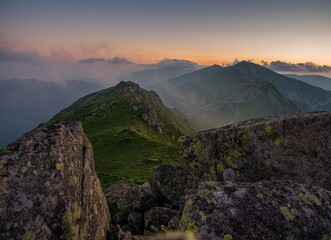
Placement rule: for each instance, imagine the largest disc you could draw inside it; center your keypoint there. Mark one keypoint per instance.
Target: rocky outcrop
(49, 188)
(263, 210)
(295, 147)
(145, 103)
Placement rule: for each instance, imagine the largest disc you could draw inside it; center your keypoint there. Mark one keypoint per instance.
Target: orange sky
(146, 31)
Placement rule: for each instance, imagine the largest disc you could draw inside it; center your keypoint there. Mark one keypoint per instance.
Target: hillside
(315, 80)
(216, 96)
(131, 130)
(25, 103)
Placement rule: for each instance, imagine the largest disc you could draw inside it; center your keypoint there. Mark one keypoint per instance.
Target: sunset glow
(206, 32)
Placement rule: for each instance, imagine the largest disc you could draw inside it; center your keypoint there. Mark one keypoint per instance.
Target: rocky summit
(49, 188)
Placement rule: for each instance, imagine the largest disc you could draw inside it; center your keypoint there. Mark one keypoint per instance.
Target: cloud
(118, 60)
(176, 63)
(236, 61)
(8, 55)
(115, 60)
(92, 60)
(296, 67)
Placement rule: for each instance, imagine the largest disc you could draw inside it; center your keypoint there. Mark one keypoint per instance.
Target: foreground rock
(49, 188)
(277, 162)
(296, 147)
(263, 210)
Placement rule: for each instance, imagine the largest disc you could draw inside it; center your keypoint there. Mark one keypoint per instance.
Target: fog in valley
(34, 88)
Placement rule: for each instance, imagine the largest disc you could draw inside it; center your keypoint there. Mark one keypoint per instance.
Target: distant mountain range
(315, 80)
(25, 103)
(216, 96)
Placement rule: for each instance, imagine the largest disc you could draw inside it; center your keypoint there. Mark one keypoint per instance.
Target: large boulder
(262, 210)
(295, 147)
(49, 188)
(172, 182)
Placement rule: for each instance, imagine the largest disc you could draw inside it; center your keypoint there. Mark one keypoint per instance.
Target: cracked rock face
(49, 188)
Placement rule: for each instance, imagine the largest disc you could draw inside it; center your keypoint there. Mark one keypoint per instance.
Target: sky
(147, 31)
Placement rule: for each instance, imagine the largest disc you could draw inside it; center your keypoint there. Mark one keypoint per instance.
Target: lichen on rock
(219, 210)
(49, 188)
(292, 147)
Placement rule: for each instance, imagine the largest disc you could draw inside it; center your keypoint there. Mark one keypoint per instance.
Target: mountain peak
(245, 63)
(211, 69)
(215, 66)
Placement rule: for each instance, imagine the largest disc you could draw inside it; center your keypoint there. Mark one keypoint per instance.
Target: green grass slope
(131, 131)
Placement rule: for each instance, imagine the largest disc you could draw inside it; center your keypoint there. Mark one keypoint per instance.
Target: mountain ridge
(128, 117)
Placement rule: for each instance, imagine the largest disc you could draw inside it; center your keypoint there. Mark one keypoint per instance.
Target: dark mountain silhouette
(315, 80)
(216, 96)
(306, 96)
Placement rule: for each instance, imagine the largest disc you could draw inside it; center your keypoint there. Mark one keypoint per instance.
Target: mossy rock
(261, 210)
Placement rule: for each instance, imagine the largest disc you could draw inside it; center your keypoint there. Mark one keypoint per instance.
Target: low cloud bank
(115, 60)
(178, 63)
(307, 67)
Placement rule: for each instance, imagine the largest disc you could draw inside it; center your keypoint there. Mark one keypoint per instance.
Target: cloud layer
(115, 60)
(296, 67)
(176, 63)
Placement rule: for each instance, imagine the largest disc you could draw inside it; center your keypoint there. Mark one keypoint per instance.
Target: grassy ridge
(126, 146)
